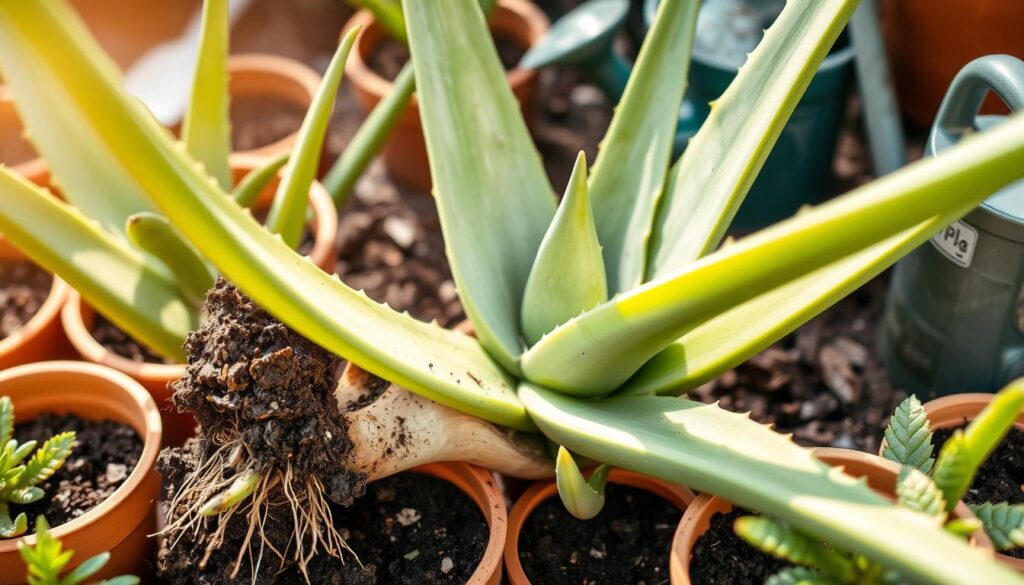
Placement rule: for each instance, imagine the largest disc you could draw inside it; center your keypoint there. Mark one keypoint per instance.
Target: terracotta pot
(42, 338)
(677, 495)
(120, 524)
(479, 485)
(16, 153)
(881, 476)
(405, 154)
(928, 43)
(78, 317)
(956, 410)
(276, 78)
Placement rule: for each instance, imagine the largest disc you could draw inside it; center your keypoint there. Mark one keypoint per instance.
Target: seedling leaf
(582, 498)
(1004, 523)
(908, 438)
(252, 185)
(781, 541)
(916, 491)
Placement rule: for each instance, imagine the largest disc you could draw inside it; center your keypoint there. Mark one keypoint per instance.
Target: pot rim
(48, 312)
(679, 496)
(34, 169)
(142, 402)
(532, 19)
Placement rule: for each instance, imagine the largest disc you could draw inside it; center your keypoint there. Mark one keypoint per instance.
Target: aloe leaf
(722, 160)
(711, 450)
(288, 212)
(799, 576)
(567, 277)
(115, 279)
(370, 138)
(964, 452)
(908, 437)
(249, 189)
(442, 365)
(206, 129)
(598, 351)
(781, 541)
(153, 234)
(583, 498)
(88, 178)
(493, 197)
(630, 170)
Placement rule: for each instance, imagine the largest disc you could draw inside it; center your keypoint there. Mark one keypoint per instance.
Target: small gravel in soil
(23, 290)
(721, 557)
(104, 456)
(117, 341)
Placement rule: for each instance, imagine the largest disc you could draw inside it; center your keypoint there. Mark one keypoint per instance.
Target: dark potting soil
(23, 290)
(824, 383)
(117, 341)
(415, 529)
(391, 246)
(628, 542)
(721, 557)
(389, 56)
(1000, 478)
(258, 121)
(104, 456)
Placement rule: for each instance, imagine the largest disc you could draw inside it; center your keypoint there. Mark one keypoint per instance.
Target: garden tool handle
(1001, 74)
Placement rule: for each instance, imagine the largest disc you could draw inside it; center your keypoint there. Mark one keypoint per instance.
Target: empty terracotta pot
(479, 485)
(405, 154)
(42, 337)
(881, 476)
(78, 317)
(121, 524)
(677, 495)
(957, 410)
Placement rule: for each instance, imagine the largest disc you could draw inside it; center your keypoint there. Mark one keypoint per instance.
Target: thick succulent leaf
(249, 189)
(964, 452)
(916, 491)
(721, 162)
(19, 453)
(153, 234)
(122, 580)
(370, 138)
(493, 196)
(87, 569)
(11, 528)
(288, 211)
(89, 178)
(630, 170)
(799, 576)
(598, 351)
(583, 498)
(567, 277)
(1004, 523)
(711, 450)
(24, 496)
(115, 279)
(908, 438)
(206, 129)
(782, 541)
(445, 366)
(6, 420)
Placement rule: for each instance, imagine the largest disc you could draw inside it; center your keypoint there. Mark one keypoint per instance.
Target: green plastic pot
(954, 319)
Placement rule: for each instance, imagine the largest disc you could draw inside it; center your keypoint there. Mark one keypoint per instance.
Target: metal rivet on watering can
(953, 316)
(799, 168)
(583, 38)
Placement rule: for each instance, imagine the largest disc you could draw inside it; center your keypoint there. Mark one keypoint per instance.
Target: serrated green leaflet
(908, 438)
(712, 450)
(206, 129)
(1003, 523)
(781, 541)
(630, 168)
(723, 159)
(916, 491)
(493, 197)
(598, 351)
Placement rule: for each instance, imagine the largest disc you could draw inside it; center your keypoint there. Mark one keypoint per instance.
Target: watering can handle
(1001, 74)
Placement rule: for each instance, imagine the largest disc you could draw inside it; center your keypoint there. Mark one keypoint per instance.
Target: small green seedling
(47, 559)
(20, 475)
(927, 485)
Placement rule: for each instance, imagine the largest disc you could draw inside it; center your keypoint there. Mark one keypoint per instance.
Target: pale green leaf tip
(243, 487)
(582, 498)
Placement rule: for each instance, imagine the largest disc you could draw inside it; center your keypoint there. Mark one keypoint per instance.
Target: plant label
(957, 242)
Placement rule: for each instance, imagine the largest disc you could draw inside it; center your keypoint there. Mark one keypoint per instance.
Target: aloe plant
(47, 559)
(681, 308)
(111, 243)
(20, 474)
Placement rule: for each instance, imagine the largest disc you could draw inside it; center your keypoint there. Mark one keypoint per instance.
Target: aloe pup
(679, 308)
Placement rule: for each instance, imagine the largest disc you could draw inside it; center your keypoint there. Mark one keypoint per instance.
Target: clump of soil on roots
(264, 399)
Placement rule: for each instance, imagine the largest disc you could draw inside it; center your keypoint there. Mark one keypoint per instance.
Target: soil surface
(628, 542)
(389, 56)
(721, 557)
(104, 456)
(258, 121)
(1000, 478)
(23, 290)
(416, 529)
(824, 383)
(117, 341)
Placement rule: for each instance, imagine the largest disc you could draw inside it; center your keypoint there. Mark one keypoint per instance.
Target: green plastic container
(954, 319)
